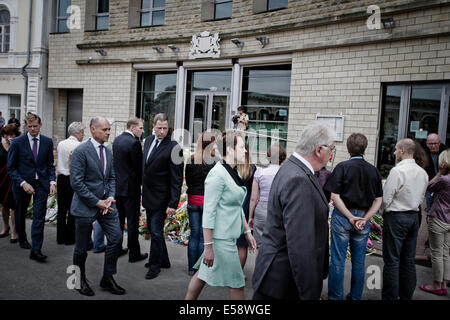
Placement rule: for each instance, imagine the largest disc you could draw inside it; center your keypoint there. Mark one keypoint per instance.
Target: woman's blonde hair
(444, 160)
(246, 169)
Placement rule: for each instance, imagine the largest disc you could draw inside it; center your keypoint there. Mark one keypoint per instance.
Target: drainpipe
(24, 73)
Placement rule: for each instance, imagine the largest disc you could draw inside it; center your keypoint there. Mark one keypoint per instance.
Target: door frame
(210, 97)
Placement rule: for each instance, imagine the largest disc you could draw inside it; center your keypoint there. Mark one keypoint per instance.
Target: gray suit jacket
(293, 258)
(88, 181)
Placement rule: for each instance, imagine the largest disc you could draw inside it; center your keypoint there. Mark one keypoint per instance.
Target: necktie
(102, 158)
(153, 150)
(35, 148)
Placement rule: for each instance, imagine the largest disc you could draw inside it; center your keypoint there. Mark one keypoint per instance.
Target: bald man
(433, 147)
(93, 181)
(403, 193)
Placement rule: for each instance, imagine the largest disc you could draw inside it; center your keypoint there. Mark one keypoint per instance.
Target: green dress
(222, 212)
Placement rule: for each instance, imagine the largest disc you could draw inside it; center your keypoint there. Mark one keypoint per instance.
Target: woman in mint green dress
(223, 222)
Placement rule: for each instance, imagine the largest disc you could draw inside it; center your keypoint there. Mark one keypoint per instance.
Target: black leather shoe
(109, 284)
(151, 274)
(5, 234)
(164, 266)
(25, 244)
(85, 289)
(140, 257)
(37, 256)
(13, 240)
(123, 252)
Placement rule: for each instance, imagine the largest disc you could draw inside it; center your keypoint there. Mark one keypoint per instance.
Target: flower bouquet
(143, 228)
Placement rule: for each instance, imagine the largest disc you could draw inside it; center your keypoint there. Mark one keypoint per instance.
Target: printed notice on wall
(335, 122)
(422, 134)
(414, 126)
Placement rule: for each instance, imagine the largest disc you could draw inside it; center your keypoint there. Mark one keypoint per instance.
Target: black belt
(395, 212)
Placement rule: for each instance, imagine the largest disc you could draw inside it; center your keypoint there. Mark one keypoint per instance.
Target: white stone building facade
(24, 34)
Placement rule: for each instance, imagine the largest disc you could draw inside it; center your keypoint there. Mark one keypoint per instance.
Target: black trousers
(399, 250)
(158, 250)
(65, 227)
(22, 200)
(83, 230)
(129, 208)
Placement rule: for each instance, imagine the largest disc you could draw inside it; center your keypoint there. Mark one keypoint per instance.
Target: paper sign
(414, 126)
(421, 134)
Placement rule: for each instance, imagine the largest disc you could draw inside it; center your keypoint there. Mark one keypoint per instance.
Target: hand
(104, 206)
(360, 224)
(353, 220)
(208, 256)
(52, 189)
(170, 211)
(251, 241)
(28, 188)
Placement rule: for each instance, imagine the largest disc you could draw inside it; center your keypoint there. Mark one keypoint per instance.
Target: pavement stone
(24, 279)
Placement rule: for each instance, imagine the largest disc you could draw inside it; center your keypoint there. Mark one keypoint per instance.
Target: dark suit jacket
(162, 178)
(88, 181)
(293, 258)
(127, 159)
(430, 168)
(21, 164)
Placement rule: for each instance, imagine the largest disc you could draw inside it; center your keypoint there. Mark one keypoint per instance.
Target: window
(222, 9)
(156, 93)
(268, 5)
(152, 12)
(4, 30)
(276, 4)
(14, 106)
(102, 15)
(62, 16)
(266, 96)
(411, 111)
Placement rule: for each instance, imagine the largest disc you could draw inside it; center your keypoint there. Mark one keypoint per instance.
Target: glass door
(209, 111)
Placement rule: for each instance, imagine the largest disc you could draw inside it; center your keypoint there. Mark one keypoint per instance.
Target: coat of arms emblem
(205, 45)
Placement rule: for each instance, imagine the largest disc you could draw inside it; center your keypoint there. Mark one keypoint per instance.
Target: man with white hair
(293, 258)
(65, 227)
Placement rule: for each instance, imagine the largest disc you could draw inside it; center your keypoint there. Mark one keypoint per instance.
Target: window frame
(216, 2)
(97, 15)
(5, 46)
(275, 9)
(59, 18)
(151, 10)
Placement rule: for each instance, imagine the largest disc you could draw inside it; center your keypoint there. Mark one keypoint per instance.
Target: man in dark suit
(14, 120)
(30, 165)
(127, 155)
(293, 258)
(163, 176)
(94, 184)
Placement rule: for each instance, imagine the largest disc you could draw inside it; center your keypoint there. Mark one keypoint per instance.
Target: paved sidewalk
(22, 278)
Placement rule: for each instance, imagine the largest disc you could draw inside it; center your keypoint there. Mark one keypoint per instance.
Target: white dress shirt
(64, 150)
(304, 161)
(405, 187)
(96, 146)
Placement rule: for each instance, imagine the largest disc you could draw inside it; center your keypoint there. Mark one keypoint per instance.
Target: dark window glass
(425, 104)
(389, 129)
(63, 16)
(4, 30)
(276, 4)
(103, 6)
(152, 12)
(266, 95)
(219, 80)
(223, 9)
(156, 93)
